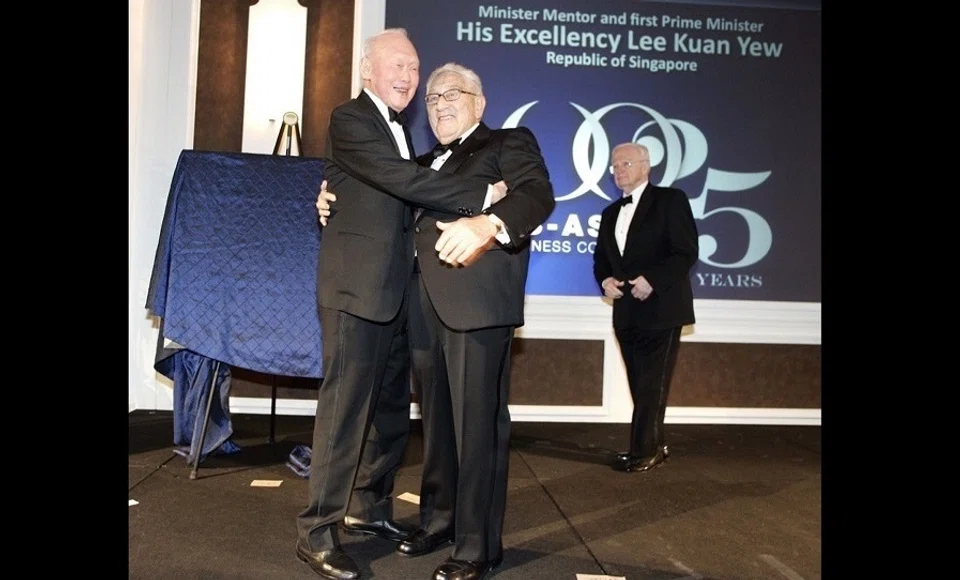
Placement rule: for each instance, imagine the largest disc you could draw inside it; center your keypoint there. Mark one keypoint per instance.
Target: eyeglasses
(451, 95)
(626, 165)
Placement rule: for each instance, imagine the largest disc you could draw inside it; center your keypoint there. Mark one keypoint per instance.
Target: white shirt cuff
(503, 237)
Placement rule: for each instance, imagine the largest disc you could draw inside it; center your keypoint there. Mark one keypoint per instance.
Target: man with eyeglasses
(363, 274)
(646, 247)
(461, 325)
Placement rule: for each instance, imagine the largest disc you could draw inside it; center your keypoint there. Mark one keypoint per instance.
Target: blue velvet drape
(234, 280)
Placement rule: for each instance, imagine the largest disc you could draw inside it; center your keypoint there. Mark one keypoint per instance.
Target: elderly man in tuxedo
(461, 325)
(646, 247)
(364, 269)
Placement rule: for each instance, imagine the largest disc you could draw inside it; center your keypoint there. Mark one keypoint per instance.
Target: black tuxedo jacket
(489, 292)
(661, 246)
(366, 248)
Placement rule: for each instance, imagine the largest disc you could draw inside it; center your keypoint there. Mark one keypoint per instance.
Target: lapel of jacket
(406, 133)
(643, 207)
(470, 145)
(611, 214)
(371, 107)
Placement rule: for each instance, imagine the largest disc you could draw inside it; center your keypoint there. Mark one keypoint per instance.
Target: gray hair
(641, 149)
(370, 44)
(472, 78)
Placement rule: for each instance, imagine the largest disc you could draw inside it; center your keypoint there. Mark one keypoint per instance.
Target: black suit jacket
(662, 245)
(366, 248)
(489, 292)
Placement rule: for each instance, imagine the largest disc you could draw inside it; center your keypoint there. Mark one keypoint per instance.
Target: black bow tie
(439, 149)
(625, 200)
(400, 117)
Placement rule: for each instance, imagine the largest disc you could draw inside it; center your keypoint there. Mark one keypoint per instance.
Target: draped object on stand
(235, 277)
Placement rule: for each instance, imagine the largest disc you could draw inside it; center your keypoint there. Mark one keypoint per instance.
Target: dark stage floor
(734, 502)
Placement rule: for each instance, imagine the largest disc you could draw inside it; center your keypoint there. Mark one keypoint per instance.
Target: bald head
(390, 67)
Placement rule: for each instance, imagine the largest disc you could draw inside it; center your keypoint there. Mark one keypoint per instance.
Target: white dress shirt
(395, 128)
(439, 161)
(626, 216)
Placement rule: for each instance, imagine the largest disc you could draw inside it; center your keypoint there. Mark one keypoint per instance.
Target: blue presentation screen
(726, 96)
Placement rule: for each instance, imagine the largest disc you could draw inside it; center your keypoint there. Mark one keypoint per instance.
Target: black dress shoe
(332, 564)
(423, 542)
(386, 529)
(465, 569)
(631, 463)
(622, 456)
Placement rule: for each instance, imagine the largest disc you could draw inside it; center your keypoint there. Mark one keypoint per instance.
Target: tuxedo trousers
(362, 424)
(462, 380)
(649, 357)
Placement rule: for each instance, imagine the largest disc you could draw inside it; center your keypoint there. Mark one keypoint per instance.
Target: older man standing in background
(646, 246)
